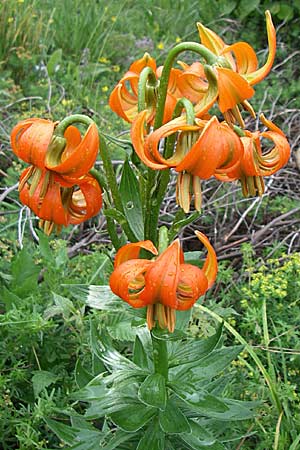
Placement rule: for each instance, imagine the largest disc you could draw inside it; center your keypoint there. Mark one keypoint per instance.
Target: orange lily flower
(56, 202)
(33, 141)
(124, 97)
(163, 285)
(255, 164)
(236, 72)
(201, 150)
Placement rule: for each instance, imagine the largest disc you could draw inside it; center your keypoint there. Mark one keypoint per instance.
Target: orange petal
(246, 60)
(79, 155)
(260, 74)
(210, 267)
(192, 284)
(137, 133)
(233, 89)
(127, 281)
(86, 202)
(161, 278)
(30, 139)
(132, 251)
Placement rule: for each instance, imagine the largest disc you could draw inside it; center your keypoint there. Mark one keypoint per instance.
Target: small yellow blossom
(178, 39)
(160, 46)
(113, 18)
(104, 88)
(20, 1)
(104, 60)
(116, 68)
(10, 20)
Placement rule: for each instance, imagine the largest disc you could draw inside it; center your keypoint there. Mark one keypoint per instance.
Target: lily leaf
(194, 350)
(172, 419)
(153, 439)
(131, 200)
(133, 416)
(153, 391)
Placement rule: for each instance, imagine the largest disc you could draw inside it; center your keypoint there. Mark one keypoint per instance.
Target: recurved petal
(79, 154)
(30, 139)
(192, 82)
(86, 201)
(52, 208)
(192, 284)
(128, 280)
(132, 251)
(210, 267)
(260, 74)
(146, 61)
(245, 56)
(137, 134)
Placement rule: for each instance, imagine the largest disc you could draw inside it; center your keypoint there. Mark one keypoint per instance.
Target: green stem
(113, 185)
(67, 121)
(111, 228)
(210, 58)
(160, 356)
(100, 177)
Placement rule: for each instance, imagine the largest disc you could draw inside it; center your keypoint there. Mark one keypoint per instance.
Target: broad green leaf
(64, 432)
(25, 274)
(215, 362)
(201, 401)
(199, 438)
(114, 440)
(54, 62)
(182, 319)
(153, 439)
(194, 350)
(143, 349)
(172, 419)
(41, 380)
(133, 416)
(87, 440)
(131, 200)
(82, 376)
(153, 391)
(122, 331)
(45, 249)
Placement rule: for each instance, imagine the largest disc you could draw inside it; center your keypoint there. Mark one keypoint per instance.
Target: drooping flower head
(164, 284)
(257, 163)
(202, 150)
(125, 96)
(57, 186)
(235, 71)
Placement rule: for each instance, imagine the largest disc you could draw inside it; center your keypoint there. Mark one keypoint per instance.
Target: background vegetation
(58, 58)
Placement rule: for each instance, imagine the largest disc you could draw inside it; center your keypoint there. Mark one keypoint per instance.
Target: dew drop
(129, 205)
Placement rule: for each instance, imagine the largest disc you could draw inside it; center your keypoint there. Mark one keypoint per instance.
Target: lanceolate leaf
(153, 391)
(172, 419)
(194, 350)
(133, 416)
(199, 438)
(131, 200)
(153, 439)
